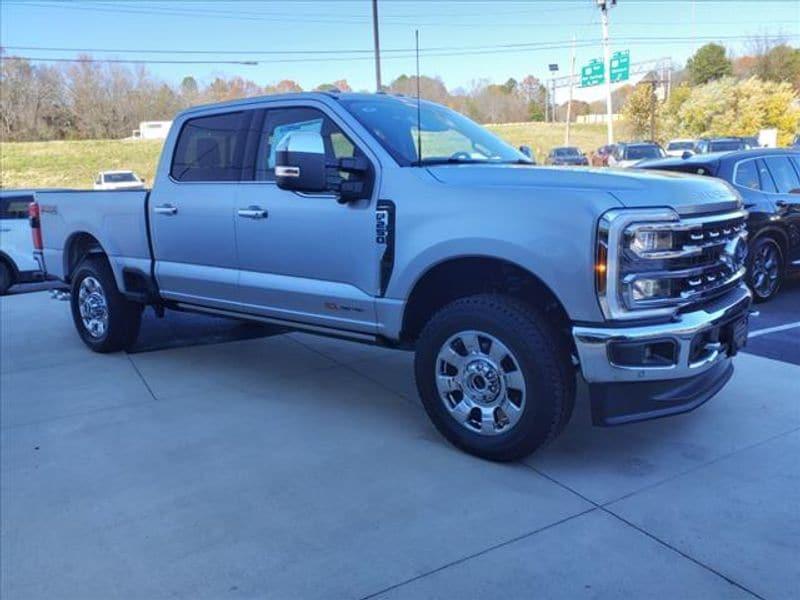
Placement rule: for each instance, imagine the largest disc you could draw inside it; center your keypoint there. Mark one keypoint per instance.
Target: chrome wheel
(480, 382)
(93, 307)
(765, 269)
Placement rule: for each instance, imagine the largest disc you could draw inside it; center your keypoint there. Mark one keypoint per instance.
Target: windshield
(680, 146)
(725, 146)
(119, 178)
(567, 152)
(446, 136)
(640, 152)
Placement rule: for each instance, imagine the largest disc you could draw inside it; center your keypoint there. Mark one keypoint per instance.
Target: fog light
(646, 241)
(650, 289)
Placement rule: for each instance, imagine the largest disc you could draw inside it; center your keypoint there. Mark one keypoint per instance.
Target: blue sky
(461, 41)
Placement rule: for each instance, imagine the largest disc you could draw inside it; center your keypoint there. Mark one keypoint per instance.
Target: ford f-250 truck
(373, 218)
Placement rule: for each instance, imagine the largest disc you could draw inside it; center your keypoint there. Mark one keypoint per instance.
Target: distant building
(152, 130)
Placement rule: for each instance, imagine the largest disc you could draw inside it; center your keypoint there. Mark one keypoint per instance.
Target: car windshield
(445, 136)
(680, 146)
(119, 178)
(725, 146)
(565, 152)
(643, 151)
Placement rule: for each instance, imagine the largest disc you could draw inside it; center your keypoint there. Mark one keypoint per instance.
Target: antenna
(419, 118)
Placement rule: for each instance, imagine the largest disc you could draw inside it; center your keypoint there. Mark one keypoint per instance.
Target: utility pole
(604, 6)
(551, 92)
(378, 86)
(571, 84)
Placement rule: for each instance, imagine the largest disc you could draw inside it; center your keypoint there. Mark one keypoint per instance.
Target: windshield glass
(567, 152)
(446, 136)
(680, 146)
(640, 152)
(119, 178)
(725, 146)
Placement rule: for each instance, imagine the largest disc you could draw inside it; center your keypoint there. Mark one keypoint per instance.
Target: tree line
(96, 100)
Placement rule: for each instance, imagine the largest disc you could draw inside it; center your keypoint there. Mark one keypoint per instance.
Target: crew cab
(391, 221)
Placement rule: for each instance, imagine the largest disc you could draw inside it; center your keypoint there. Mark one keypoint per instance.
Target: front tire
(764, 268)
(104, 318)
(494, 377)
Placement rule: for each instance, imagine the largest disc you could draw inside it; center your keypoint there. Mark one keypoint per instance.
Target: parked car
(769, 182)
(566, 156)
(600, 157)
(679, 147)
(17, 264)
(627, 154)
(118, 180)
(722, 144)
(503, 277)
(796, 141)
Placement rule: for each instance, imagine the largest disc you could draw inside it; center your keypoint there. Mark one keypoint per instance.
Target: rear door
(786, 178)
(306, 257)
(15, 234)
(191, 210)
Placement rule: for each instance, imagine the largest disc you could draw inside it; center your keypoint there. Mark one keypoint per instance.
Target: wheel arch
(7, 260)
(457, 277)
(78, 246)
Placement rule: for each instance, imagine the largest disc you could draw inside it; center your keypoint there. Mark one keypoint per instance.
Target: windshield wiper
(450, 161)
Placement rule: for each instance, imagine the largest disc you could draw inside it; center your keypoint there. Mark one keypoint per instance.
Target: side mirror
(687, 154)
(300, 162)
(526, 150)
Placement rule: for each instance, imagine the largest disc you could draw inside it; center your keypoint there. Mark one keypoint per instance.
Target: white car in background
(17, 264)
(676, 148)
(118, 180)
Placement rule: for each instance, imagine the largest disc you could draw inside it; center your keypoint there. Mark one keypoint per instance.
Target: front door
(306, 257)
(191, 212)
(785, 171)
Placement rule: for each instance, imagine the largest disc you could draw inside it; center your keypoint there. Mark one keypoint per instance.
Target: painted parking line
(767, 330)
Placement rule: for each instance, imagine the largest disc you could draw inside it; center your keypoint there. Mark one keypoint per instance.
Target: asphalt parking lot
(219, 459)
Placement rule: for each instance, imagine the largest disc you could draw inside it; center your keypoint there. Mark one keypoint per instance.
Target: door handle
(252, 212)
(165, 209)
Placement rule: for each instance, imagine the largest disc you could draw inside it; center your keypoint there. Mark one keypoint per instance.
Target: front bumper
(689, 361)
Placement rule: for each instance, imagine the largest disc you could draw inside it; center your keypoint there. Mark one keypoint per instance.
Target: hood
(632, 187)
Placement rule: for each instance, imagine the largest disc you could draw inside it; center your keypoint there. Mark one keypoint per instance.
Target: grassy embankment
(74, 164)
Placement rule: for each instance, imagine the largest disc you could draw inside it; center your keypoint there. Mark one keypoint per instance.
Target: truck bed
(116, 219)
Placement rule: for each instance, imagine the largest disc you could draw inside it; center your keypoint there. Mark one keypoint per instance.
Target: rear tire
(494, 377)
(104, 318)
(765, 268)
(6, 277)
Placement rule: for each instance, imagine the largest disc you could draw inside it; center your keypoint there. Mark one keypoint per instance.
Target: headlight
(646, 242)
(627, 240)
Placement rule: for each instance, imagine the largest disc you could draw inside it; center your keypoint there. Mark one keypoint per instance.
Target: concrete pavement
(291, 466)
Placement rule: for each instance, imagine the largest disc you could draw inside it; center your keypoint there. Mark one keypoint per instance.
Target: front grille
(705, 260)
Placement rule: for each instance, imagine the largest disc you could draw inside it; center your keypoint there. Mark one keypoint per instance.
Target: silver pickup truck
(373, 218)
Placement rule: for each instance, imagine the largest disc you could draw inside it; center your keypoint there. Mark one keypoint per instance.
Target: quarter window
(783, 173)
(211, 148)
(747, 175)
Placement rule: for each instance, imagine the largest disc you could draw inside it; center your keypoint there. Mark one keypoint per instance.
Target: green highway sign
(620, 66)
(594, 73)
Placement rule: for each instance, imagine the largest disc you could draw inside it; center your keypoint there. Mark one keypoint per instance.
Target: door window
(783, 173)
(747, 175)
(767, 185)
(282, 121)
(211, 148)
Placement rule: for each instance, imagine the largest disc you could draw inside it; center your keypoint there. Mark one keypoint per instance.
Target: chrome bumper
(592, 343)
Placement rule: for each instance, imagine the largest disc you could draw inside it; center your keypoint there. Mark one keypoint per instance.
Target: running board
(319, 329)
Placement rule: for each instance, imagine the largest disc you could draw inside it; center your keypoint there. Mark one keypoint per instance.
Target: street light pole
(604, 6)
(378, 86)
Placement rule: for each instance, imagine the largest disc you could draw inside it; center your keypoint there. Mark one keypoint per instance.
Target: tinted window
(726, 146)
(279, 122)
(640, 152)
(783, 173)
(120, 178)
(747, 175)
(211, 148)
(14, 207)
(767, 184)
(567, 152)
(680, 146)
